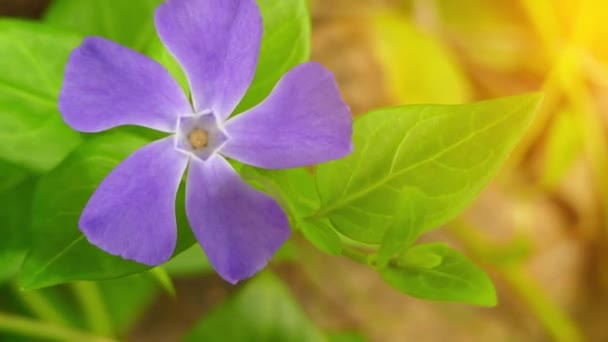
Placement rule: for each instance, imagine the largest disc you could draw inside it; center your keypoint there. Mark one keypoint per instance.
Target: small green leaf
(401, 233)
(420, 258)
(60, 252)
(130, 23)
(436, 272)
(263, 310)
(163, 278)
(322, 235)
(434, 158)
(33, 135)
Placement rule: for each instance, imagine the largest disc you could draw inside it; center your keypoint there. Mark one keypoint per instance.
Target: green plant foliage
(33, 136)
(422, 164)
(414, 168)
(130, 23)
(436, 272)
(10, 176)
(60, 252)
(321, 234)
(285, 44)
(14, 225)
(190, 262)
(294, 189)
(263, 310)
(127, 298)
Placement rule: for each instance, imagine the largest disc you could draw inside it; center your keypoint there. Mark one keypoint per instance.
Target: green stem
(40, 306)
(356, 255)
(44, 330)
(93, 307)
(556, 322)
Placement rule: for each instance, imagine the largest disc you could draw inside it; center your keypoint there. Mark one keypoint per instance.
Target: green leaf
(285, 44)
(157, 51)
(430, 160)
(33, 135)
(162, 278)
(418, 67)
(10, 176)
(130, 23)
(190, 262)
(60, 252)
(263, 310)
(436, 272)
(322, 235)
(294, 189)
(14, 227)
(126, 299)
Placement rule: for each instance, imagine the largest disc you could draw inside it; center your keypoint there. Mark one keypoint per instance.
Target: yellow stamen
(198, 138)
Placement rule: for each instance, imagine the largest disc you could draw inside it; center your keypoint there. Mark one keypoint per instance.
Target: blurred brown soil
(23, 8)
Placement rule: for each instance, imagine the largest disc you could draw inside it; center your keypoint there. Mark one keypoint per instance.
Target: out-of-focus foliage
(15, 213)
(491, 33)
(33, 135)
(129, 23)
(417, 67)
(264, 310)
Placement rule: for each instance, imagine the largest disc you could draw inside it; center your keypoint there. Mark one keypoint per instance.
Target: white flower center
(199, 135)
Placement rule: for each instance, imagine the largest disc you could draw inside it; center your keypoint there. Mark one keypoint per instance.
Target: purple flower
(132, 213)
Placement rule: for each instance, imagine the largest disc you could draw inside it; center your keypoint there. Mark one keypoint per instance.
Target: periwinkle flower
(216, 42)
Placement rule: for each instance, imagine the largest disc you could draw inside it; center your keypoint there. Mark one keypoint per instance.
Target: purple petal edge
(217, 44)
(303, 122)
(238, 227)
(132, 212)
(108, 85)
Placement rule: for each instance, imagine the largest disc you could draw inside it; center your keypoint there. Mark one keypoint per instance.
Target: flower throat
(198, 138)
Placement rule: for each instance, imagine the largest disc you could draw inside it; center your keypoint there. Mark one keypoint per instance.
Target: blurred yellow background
(541, 229)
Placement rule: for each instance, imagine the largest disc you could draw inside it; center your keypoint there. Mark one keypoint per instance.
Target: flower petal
(303, 121)
(239, 227)
(108, 85)
(132, 212)
(217, 43)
